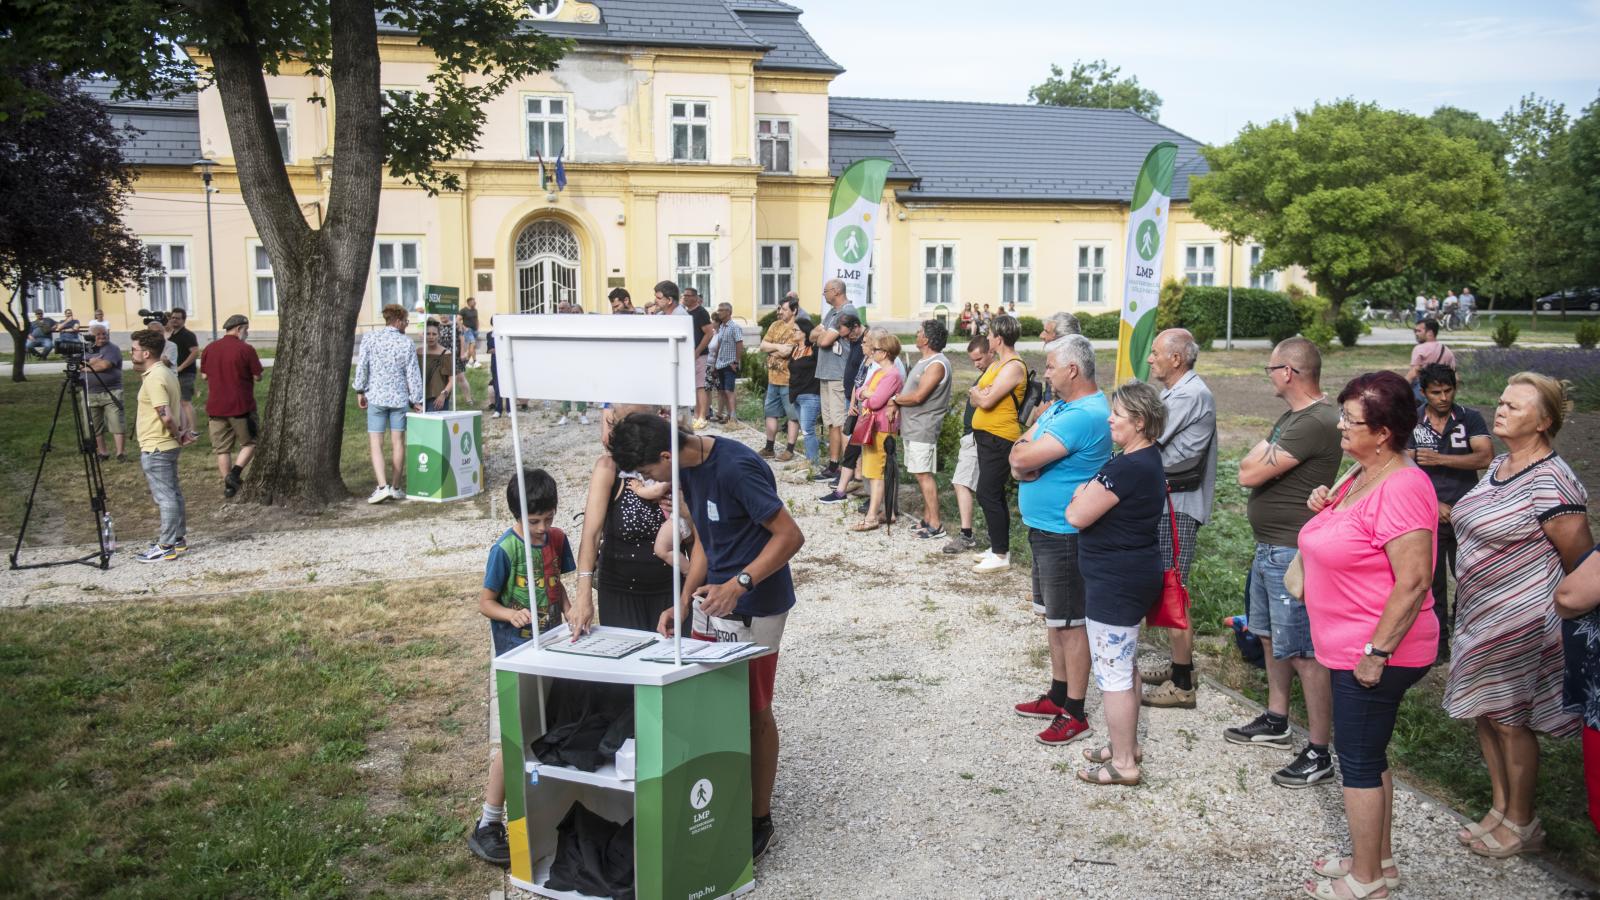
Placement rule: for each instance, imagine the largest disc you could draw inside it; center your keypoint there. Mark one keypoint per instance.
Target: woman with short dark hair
(996, 425)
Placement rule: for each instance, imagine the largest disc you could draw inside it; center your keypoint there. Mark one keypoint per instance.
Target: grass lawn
(318, 744)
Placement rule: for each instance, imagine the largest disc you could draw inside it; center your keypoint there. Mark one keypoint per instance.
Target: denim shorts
(385, 418)
(1057, 581)
(1274, 614)
(778, 405)
(726, 378)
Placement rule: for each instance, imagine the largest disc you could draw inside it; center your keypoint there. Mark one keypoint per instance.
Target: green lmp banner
(694, 779)
(441, 300)
(444, 459)
(1141, 287)
(852, 222)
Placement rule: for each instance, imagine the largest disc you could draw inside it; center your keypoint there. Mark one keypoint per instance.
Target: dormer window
(544, 9)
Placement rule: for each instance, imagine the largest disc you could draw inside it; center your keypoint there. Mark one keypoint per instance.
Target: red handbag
(866, 430)
(1172, 611)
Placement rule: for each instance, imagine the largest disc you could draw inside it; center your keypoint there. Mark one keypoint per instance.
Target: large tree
(62, 191)
(1095, 84)
(482, 48)
(1356, 194)
(1536, 261)
(1580, 201)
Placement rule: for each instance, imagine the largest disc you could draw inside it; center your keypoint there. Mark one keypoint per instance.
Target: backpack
(1032, 396)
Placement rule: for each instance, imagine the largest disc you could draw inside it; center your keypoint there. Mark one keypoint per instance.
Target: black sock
(966, 532)
(1319, 749)
(1058, 692)
(1183, 676)
(791, 446)
(236, 471)
(759, 821)
(1074, 706)
(1277, 721)
(769, 445)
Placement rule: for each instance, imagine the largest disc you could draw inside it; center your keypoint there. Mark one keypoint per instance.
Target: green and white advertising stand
(690, 799)
(444, 450)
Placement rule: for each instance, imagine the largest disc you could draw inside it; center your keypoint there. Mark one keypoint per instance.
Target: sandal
(1324, 889)
(1475, 831)
(1093, 773)
(1530, 837)
(867, 526)
(1102, 755)
(1337, 868)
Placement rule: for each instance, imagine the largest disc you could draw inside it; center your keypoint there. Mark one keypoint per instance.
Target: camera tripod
(72, 391)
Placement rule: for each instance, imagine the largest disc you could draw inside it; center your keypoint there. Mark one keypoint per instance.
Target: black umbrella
(891, 483)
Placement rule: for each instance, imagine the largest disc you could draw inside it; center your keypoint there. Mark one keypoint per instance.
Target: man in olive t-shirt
(1301, 453)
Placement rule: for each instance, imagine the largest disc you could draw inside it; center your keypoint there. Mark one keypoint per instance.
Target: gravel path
(904, 772)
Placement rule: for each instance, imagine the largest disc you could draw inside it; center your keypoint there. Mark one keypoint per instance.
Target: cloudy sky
(1218, 66)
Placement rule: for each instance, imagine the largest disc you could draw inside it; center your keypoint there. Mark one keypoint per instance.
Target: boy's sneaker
(1042, 708)
(991, 561)
(832, 497)
(1259, 733)
(562, 420)
(379, 494)
(157, 553)
(488, 843)
(761, 834)
(961, 543)
(932, 531)
(1064, 729)
(1309, 768)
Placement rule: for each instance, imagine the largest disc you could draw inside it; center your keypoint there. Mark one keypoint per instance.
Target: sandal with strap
(1475, 831)
(1093, 773)
(1337, 868)
(1102, 755)
(1530, 837)
(1324, 889)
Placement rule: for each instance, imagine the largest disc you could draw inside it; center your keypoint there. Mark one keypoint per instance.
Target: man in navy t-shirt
(739, 570)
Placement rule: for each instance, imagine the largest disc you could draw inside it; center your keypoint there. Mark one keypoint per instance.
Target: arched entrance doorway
(547, 266)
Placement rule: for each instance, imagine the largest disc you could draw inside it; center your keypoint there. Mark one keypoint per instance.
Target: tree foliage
(1536, 135)
(62, 191)
(1484, 133)
(1580, 200)
(1095, 84)
(1355, 195)
(482, 47)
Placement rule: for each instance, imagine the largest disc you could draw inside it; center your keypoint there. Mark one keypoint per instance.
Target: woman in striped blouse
(1518, 531)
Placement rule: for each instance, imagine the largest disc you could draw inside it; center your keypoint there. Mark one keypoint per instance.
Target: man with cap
(231, 369)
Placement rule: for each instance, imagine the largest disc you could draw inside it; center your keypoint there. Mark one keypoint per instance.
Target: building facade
(698, 142)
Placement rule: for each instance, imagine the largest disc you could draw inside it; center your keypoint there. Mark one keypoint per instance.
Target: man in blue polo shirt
(1066, 446)
(1451, 443)
(739, 570)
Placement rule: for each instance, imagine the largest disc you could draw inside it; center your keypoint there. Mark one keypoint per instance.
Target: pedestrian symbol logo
(850, 244)
(1146, 240)
(700, 794)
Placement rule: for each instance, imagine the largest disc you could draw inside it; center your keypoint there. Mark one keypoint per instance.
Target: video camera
(154, 317)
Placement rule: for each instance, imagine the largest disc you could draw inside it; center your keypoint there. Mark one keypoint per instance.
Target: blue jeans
(809, 406)
(43, 344)
(161, 470)
(1363, 721)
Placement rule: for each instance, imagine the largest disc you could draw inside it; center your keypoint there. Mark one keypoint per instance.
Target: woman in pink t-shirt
(1368, 557)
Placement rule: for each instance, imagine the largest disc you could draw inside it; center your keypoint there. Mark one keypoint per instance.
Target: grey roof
(850, 139)
(792, 46)
(165, 132)
(1001, 151)
(659, 23)
(763, 6)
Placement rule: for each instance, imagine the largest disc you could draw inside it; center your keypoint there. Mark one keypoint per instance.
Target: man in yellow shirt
(160, 438)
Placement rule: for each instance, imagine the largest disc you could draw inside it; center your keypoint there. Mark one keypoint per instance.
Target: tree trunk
(16, 325)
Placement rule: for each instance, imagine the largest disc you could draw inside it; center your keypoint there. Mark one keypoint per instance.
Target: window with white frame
(168, 287)
(1200, 264)
(1091, 273)
(389, 96)
(280, 124)
(399, 273)
(773, 141)
(1016, 273)
(263, 287)
(546, 119)
(692, 267)
(776, 265)
(45, 295)
(691, 130)
(544, 9)
(938, 274)
(1266, 279)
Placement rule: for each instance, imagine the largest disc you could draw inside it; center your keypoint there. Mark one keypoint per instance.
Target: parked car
(1576, 298)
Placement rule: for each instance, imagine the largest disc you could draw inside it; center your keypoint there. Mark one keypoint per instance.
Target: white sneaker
(496, 414)
(396, 493)
(379, 494)
(583, 419)
(992, 562)
(562, 420)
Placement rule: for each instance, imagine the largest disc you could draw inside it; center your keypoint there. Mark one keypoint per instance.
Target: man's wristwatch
(745, 581)
(1370, 650)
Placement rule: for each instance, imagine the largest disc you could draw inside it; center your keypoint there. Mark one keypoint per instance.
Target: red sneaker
(1064, 729)
(1041, 708)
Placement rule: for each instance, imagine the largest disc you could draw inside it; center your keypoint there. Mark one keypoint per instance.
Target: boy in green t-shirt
(509, 602)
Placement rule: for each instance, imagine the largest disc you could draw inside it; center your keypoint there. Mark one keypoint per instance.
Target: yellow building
(699, 142)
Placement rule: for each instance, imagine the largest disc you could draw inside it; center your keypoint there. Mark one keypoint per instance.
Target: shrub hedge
(1256, 313)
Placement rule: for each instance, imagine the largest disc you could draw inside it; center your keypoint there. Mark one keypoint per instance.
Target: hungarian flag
(544, 177)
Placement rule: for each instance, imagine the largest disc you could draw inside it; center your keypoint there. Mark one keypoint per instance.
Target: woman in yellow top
(881, 386)
(996, 398)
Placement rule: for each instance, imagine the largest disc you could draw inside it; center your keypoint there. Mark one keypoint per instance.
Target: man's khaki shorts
(834, 409)
(233, 433)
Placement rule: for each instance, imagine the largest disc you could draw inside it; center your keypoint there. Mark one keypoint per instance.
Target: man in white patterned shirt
(388, 380)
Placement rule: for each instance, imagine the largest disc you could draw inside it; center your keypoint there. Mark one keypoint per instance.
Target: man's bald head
(1301, 355)
(1180, 343)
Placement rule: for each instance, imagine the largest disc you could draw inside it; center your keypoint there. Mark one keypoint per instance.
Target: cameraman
(102, 381)
(188, 363)
(160, 438)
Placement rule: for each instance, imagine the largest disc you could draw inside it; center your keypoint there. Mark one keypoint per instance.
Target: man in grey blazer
(1191, 433)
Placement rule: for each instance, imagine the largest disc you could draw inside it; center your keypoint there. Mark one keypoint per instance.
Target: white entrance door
(547, 267)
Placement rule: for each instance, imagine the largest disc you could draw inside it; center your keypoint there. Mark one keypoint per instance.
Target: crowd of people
(1454, 309)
